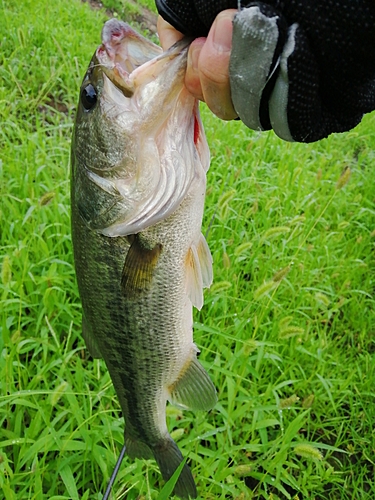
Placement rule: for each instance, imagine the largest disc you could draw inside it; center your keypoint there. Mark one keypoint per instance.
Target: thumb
(168, 35)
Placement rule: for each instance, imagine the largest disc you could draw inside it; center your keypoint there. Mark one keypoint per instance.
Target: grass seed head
(6, 271)
(288, 402)
(308, 451)
(308, 401)
(264, 289)
(242, 470)
(281, 274)
(344, 178)
(287, 332)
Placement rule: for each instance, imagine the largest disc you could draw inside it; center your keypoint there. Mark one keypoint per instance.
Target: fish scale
(141, 260)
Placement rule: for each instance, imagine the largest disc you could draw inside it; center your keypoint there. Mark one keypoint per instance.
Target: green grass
(288, 327)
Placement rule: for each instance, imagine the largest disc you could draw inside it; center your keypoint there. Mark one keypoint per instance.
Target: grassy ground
(287, 331)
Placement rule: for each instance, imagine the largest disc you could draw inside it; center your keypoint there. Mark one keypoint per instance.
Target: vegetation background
(287, 331)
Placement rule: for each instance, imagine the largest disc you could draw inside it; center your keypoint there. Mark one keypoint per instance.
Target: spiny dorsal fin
(193, 389)
(139, 266)
(198, 271)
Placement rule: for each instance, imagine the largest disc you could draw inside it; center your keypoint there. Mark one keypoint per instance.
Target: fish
(139, 160)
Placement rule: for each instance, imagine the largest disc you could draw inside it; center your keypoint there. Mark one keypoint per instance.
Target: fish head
(134, 118)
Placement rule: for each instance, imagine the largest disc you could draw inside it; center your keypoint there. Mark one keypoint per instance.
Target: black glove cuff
(194, 17)
(182, 16)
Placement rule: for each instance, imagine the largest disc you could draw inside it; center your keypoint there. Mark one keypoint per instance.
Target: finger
(168, 35)
(192, 78)
(213, 66)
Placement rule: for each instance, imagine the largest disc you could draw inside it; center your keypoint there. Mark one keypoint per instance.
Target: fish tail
(169, 457)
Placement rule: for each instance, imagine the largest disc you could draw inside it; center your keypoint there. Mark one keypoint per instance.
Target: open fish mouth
(123, 51)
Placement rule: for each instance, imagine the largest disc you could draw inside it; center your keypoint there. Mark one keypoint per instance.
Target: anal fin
(193, 389)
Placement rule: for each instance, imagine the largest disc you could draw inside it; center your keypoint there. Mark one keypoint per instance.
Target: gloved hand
(305, 68)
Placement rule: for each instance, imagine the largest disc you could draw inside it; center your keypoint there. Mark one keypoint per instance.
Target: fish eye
(88, 97)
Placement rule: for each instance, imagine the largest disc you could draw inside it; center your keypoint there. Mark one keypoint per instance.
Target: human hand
(207, 74)
(304, 68)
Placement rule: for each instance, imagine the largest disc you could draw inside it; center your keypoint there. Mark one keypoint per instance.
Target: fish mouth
(123, 51)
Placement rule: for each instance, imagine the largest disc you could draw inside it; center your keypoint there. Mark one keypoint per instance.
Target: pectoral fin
(89, 339)
(194, 388)
(139, 266)
(198, 271)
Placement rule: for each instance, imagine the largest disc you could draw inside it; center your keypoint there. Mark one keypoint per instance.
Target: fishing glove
(305, 68)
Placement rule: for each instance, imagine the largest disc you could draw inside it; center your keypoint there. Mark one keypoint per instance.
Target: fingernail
(222, 32)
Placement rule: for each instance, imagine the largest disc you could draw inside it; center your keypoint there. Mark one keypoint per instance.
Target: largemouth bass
(139, 162)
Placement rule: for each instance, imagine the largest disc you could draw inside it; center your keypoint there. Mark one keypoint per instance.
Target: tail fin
(169, 457)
